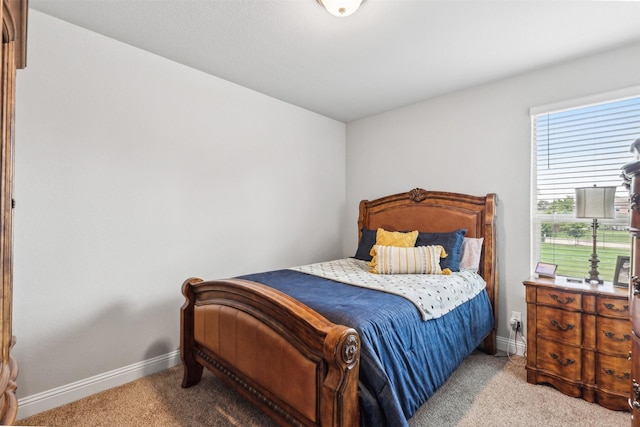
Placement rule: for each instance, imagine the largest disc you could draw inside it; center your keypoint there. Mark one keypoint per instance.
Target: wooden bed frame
(294, 364)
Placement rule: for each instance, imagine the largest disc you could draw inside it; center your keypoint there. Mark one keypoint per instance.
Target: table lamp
(596, 203)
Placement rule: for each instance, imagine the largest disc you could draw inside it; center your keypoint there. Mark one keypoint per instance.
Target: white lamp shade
(595, 202)
(341, 8)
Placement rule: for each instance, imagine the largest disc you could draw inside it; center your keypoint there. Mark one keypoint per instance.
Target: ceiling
(389, 54)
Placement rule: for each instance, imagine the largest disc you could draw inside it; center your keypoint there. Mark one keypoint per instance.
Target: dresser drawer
(613, 373)
(558, 298)
(613, 335)
(560, 325)
(613, 307)
(560, 359)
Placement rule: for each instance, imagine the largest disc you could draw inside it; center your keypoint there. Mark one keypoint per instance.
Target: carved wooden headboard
(435, 211)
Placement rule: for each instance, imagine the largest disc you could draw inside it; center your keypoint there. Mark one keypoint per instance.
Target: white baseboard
(31, 405)
(509, 345)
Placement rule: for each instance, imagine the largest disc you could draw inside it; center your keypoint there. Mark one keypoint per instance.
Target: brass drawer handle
(636, 285)
(633, 200)
(567, 300)
(612, 372)
(566, 328)
(612, 335)
(567, 361)
(611, 307)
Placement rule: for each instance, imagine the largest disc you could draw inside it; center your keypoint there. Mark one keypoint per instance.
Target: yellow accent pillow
(396, 238)
(413, 260)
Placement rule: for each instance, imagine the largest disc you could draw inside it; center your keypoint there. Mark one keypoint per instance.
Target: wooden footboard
(293, 363)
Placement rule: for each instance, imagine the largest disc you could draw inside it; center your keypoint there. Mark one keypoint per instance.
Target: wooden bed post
(192, 369)
(336, 410)
(490, 267)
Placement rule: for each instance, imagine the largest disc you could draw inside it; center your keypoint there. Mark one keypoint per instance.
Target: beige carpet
(485, 391)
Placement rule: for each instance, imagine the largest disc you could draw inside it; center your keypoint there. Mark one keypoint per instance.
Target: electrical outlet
(515, 321)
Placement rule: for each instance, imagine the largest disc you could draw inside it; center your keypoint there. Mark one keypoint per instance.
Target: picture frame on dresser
(545, 269)
(621, 273)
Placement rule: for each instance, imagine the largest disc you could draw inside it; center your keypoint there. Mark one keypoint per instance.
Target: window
(581, 144)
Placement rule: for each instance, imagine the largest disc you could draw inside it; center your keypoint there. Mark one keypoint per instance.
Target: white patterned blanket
(433, 295)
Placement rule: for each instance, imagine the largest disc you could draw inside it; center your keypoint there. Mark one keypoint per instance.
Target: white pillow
(471, 251)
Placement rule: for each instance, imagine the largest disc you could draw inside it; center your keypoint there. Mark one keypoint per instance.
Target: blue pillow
(367, 241)
(452, 243)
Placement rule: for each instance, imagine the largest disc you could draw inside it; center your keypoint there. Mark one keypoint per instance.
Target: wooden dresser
(631, 173)
(578, 340)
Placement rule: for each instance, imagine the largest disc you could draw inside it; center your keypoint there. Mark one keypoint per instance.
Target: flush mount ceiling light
(341, 8)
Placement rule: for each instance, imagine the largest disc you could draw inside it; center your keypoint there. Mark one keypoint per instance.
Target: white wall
(476, 141)
(134, 173)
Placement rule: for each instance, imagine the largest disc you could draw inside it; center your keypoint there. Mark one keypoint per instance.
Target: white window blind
(581, 147)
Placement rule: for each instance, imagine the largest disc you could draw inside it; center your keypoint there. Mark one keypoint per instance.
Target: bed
(317, 362)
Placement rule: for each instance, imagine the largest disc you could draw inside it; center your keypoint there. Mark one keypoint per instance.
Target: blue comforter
(403, 359)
